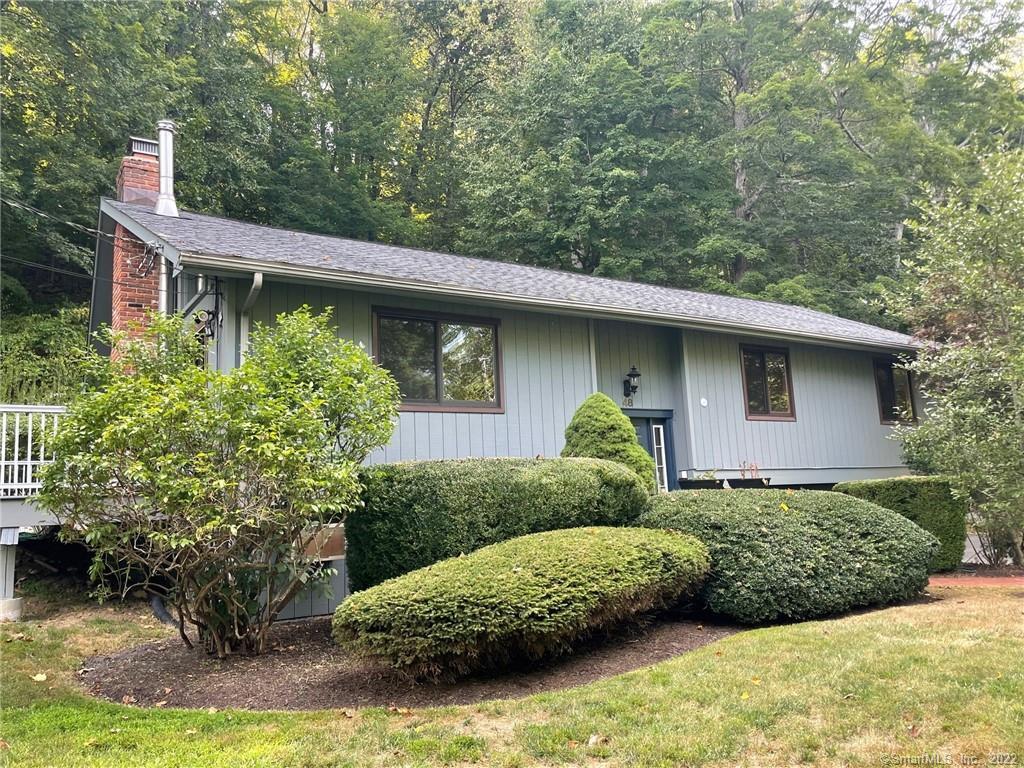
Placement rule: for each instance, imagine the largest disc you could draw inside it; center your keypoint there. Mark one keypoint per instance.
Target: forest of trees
(767, 148)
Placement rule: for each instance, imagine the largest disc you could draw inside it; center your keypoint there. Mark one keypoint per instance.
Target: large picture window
(895, 398)
(440, 362)
(767, 384)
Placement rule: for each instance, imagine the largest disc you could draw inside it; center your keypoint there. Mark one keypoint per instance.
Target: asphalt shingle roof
(201, 235)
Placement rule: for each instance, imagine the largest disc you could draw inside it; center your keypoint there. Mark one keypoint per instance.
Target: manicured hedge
(797, 554)
(600, 430)
(528, 597)
(929, 502)
(417, 513)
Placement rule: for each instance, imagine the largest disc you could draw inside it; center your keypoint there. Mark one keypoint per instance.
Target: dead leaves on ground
(594, 740)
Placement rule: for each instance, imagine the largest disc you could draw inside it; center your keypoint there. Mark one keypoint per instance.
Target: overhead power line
(73, 224)
(68, 272)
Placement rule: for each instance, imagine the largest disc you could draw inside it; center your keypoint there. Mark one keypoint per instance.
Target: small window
(440, 362)
(660, 458)
(767, 383)
(895, 388)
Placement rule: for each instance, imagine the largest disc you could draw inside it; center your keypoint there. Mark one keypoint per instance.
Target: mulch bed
(977, 575)
(976, 581)
(305, 670)
(978, 569)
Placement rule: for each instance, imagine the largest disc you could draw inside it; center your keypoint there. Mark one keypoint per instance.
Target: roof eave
(145, 234)
(234, 264)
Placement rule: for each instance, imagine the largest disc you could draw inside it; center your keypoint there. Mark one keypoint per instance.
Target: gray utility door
(654, 431)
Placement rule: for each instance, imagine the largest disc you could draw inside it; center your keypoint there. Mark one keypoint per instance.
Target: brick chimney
(136, 275)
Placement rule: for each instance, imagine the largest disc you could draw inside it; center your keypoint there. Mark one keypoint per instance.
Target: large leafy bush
(42, 355)
(528, 597)
(213, 488)
(967, 306)
(601, 430)
(797, 554)
(417, 513)
(929, 502)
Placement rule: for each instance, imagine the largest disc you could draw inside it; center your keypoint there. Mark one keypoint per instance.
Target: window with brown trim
(767, 384)
(895, 392)
(441, 362)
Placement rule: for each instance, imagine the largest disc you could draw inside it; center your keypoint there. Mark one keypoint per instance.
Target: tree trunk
(740, 120)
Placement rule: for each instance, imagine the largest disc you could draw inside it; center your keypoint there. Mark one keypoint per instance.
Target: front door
(655, 437)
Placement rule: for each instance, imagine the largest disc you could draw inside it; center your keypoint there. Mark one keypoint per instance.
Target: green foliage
(685, 144)
(529, 597)
(927, 501)
(209, 487)
(601, 430)
(42, 355)
(790, 555)
(417, 513)
(968, 305)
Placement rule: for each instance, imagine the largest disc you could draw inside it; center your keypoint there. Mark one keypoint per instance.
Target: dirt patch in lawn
(305, 670)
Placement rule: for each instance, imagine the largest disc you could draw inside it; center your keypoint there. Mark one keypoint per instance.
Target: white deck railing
(26, 444)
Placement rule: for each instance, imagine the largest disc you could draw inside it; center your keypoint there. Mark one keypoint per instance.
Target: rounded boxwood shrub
(417, 513)
(528, 597)
(797, 554)
(601, 430)
(929, 502)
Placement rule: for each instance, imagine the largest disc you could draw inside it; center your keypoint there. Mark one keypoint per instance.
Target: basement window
(767, 384)
(895, 388)
(441, 362)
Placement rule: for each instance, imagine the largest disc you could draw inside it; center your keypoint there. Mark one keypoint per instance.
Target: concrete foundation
(10, 608)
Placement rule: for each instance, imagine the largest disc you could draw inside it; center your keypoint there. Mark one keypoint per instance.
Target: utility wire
(60, 271)
(74, 225)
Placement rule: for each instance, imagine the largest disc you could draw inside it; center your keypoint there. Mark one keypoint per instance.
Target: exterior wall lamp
(631, 383)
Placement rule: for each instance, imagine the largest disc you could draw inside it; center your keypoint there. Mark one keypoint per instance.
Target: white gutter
(379, 283)
(245, 320)
(593, 354)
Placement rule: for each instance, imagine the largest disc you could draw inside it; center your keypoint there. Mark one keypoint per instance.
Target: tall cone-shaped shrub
(600, 430)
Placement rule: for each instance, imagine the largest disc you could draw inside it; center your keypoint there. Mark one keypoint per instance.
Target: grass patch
(942, 678)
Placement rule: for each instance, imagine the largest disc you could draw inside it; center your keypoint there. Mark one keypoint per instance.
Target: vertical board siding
(546, 361)
(654, 350)
(318, 600)
(546, 369)
(657, 353)
(837, 423)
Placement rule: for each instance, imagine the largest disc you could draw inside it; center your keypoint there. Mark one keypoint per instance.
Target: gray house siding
(546, 372)
(552, 362)
(837, 433)
(657, 353)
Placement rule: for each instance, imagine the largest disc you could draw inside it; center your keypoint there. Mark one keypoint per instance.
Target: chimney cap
(167, 125)
(140, 146)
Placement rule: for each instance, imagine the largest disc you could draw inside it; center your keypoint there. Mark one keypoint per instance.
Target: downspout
(593, 355)
(245, 321)
(162, 298)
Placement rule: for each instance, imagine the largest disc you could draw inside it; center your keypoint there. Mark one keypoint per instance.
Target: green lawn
(944, 678)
